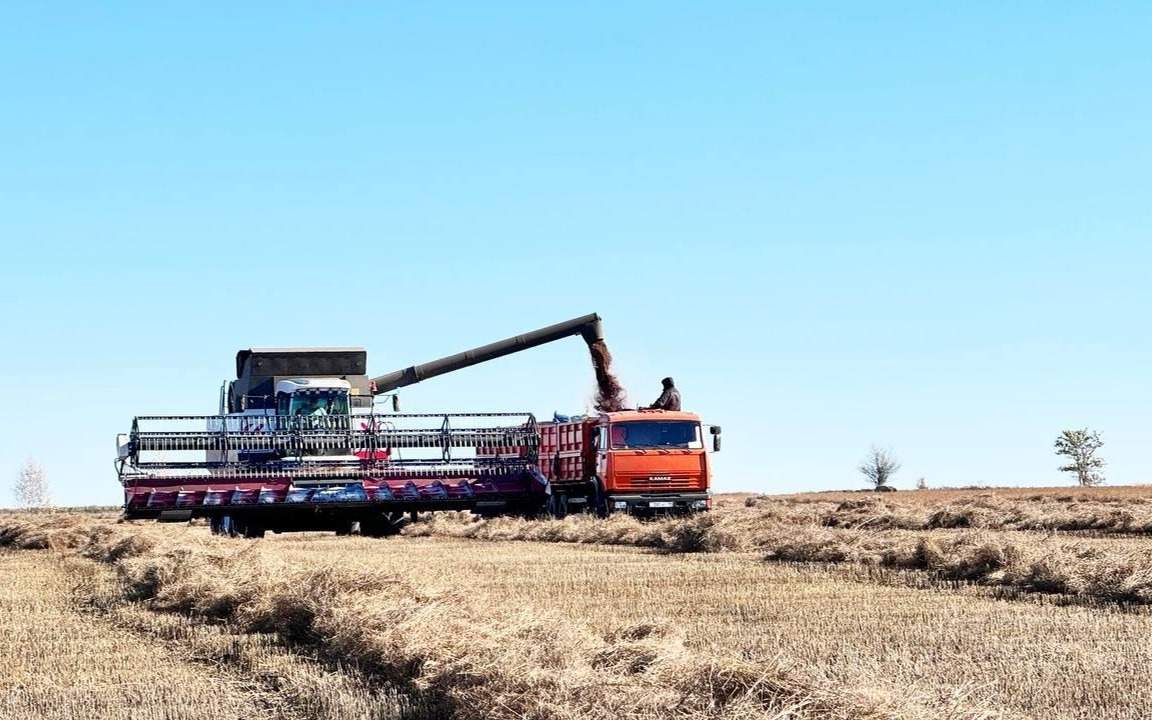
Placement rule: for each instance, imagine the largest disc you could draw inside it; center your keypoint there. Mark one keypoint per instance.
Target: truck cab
(651, 462)
(643, 462)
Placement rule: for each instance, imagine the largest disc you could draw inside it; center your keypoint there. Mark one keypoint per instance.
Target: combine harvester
(300, 444)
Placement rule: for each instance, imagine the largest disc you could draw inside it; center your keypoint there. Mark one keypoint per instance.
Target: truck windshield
(656, 434)
(314, 403)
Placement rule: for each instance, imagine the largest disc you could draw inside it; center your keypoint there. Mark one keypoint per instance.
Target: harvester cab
(312, 397)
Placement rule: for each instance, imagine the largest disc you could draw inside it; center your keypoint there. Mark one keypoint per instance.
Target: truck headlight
(620, 505)
(699, 504)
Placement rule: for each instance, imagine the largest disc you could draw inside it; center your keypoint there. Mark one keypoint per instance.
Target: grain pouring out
(610, 395)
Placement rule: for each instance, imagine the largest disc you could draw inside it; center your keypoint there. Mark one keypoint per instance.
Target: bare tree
(921, 484)
(1080, 447)
(879, 466)
(31, 488)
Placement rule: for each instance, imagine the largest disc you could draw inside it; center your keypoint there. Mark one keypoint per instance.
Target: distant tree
(921, 484)
(1080, 447)
(32, 486)
(879, 467)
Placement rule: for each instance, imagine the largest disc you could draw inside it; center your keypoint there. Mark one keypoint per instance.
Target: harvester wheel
(227, 526)
(237, 526)
(382, 525)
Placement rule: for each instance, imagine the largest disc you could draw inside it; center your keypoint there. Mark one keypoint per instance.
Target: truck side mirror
(395, 403)
(715, 430)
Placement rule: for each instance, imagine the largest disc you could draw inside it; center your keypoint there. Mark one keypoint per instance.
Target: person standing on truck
(669, 399)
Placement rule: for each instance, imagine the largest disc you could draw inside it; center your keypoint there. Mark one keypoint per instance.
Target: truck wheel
(597, 501)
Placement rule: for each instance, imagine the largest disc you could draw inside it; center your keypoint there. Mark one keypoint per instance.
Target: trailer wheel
(214, 525)
(253, 531)
(344, 528)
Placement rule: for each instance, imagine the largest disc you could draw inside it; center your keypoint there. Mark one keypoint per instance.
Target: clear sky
(921, 225)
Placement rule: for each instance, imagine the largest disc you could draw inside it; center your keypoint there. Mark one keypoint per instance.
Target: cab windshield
(314, 403)
(656, 434)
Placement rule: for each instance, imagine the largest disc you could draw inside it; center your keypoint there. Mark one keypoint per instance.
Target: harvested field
(756, 610)
(58, 664)
(1101, 510)
(1127, 493)
(1106, 568)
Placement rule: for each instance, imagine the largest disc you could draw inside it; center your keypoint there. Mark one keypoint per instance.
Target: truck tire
(597, 500)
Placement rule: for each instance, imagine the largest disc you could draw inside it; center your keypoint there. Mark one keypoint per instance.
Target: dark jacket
(668, 400)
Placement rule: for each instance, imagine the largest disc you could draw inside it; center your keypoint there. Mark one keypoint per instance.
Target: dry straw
(450, 653)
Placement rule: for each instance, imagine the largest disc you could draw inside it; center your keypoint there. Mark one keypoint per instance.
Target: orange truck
(643, 462)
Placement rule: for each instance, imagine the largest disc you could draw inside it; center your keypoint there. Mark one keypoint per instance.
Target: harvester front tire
(227, 526)
(241, 527)
(383, 525)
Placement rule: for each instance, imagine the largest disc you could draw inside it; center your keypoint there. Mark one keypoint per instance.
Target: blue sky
(835, 224)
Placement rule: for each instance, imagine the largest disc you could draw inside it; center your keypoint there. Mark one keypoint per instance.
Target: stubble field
(964, 604)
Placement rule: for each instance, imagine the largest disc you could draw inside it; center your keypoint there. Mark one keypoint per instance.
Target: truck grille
(658, 482)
